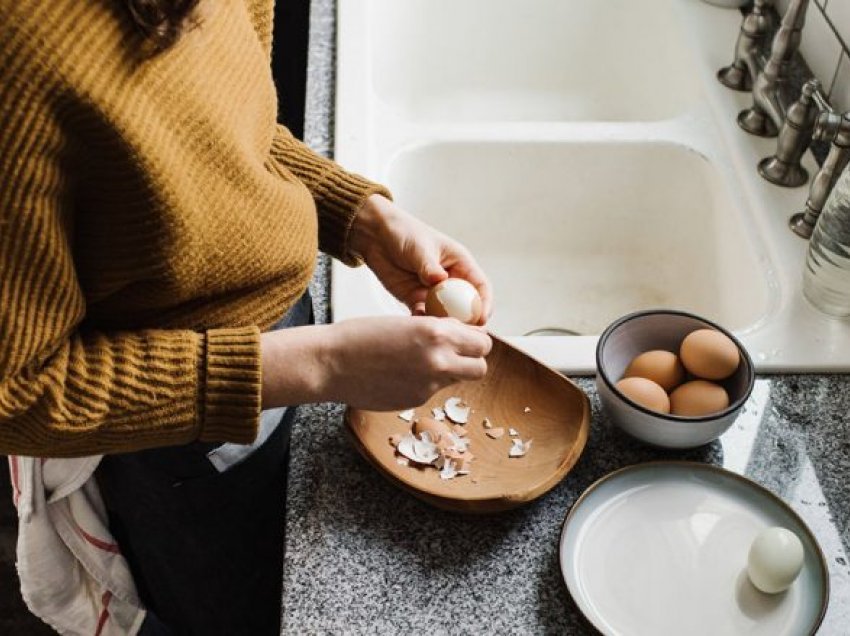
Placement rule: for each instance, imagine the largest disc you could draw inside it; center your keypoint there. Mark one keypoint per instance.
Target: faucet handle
(784, 167)
(756, 25)
(835, 128)
(828, 125)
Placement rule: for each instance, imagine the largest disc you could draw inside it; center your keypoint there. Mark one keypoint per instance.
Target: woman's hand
(355, 361)
(409, 257)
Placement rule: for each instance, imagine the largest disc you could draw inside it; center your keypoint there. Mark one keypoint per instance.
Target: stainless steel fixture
(784, 168)
(835, 129)
(770, 100)
(739, 75)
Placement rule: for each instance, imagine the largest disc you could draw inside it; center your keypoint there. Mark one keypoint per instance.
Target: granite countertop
(362, 556)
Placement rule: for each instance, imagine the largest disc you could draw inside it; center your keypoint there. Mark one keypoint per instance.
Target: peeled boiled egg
(646, 393)
(709, 354)
(455, 298)
(698, 397)
(662, 367)
(775, 560)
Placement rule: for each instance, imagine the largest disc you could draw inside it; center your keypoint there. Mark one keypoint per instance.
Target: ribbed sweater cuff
(340, 197)
(230, 400)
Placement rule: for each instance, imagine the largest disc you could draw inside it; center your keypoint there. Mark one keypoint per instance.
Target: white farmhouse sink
(586, 154)
(520, 60)
(577, 234)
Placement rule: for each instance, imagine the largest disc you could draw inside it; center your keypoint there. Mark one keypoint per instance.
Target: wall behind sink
(826, 46)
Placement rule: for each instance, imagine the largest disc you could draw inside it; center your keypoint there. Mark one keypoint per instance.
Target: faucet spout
(764, 118)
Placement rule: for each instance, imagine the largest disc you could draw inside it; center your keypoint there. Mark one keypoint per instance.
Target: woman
(155, 224)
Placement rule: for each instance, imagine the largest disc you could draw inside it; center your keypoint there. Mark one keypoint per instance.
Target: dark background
(289, 66)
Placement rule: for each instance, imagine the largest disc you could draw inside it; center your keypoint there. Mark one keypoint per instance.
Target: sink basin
(587, 155)
(578, 234)
(511, 60)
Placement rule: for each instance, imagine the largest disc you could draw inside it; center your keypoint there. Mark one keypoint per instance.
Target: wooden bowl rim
(533, 491)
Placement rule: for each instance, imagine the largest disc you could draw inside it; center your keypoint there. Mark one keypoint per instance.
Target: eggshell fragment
(487, 423)
(421, 451)
(458, 444)
(698, 397)
(709, 354)
(518, 447)
(495, 433)
(407, 415)
(662, 367)
(459, 430)
(646, 393)
(513, 432)
(449, 470)
(435, 428)
(455, 298)
(438, 413)
(456, 411)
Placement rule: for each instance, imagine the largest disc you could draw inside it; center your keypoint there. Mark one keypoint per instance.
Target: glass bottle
(826, 276)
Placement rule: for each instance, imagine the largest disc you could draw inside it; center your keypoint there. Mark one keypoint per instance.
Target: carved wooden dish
(558, 422)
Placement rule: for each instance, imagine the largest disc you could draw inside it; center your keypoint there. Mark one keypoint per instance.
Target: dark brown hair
(161, 21)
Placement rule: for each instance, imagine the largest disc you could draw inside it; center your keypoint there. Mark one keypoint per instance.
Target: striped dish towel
(72, 574)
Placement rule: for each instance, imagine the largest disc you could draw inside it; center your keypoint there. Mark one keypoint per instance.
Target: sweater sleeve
(338, 194)
(67, 390)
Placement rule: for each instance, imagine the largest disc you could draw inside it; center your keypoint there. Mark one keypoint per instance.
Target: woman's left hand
(409, 256)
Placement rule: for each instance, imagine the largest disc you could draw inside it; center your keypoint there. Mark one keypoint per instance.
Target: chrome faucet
(739, 75)
(784, 167)
(767, 113)
(836, 129)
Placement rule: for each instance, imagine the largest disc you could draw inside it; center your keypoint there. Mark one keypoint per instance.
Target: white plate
(661, 548)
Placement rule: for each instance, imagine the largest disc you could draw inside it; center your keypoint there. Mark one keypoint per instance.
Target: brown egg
(698, 397)
(709, 354)
(662, 367)
(646, 393)
(456, 298)
(435, 427)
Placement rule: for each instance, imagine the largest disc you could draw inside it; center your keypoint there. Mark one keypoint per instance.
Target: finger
(464, 368)
(430, 269)
(415, 300)
(472, 342)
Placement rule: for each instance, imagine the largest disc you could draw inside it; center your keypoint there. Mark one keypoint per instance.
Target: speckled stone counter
(363, 557)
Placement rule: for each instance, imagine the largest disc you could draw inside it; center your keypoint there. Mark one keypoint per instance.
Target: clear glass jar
(826, 276)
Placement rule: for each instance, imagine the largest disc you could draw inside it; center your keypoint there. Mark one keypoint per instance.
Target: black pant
(205, 548)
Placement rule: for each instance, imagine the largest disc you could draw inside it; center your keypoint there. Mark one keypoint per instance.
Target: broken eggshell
(421, 451)
(456, 411)
(518, 447)
(429, 425)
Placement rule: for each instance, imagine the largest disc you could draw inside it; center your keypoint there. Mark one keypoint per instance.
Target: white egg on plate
(775, 560)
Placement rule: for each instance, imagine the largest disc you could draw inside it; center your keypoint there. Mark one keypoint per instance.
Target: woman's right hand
(380, 364)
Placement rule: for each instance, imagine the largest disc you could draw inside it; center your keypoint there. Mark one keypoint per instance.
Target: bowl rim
(745, 356)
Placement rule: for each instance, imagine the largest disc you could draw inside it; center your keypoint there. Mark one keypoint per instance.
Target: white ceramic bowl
(642, 331)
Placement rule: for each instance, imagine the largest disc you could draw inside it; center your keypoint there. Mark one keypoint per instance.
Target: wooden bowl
(558, 423)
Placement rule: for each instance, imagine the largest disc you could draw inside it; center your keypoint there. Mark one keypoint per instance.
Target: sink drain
(552, 331)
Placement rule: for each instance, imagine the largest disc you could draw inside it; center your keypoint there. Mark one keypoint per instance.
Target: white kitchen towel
(72, 573)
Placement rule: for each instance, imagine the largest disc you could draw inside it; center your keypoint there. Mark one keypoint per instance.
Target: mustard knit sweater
(154, 219)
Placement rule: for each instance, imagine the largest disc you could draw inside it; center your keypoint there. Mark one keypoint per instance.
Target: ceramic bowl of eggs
(672, 379)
